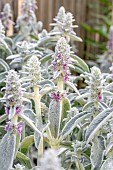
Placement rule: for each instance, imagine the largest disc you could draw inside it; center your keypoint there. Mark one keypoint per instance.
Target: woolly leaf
(108, 164)
(82, 63)
(97, 151)
(65, 108)
(4, 65)
(7, 150)
(46, 58)
(18, 138)
(87, 105)
(3, 117)
(54, 117)
(72, 123)
(97, 123)
(24, 160)
(26, 143)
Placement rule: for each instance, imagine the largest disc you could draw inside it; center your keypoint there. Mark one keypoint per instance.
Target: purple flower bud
(56, 96)
(7, 109)
(99, 96)
(18, 109)
(8, 126)
(64, 66)
(19, 127)
(66, 77)
(59, 56)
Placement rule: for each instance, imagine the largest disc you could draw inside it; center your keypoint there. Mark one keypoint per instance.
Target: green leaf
(75, 38)
(97, 123)
(3, 76)
(87, 105)
(18, 138)
(4, 65)
(108, 164)
(24, 160)
(46, 90)
(72, 123)
(7, 150)
(46, 58)
(54, 117)
(3, 117)
(26, 143)
(65, 108)
(97, 152)
(82, 63)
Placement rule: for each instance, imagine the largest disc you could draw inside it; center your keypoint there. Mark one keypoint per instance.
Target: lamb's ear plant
(6, 16)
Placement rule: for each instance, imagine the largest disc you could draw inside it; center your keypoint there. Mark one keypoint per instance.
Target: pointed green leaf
(81, 62)
(97, 123)
(65, 108)
(3, 117)
(72, 123)
(87, 105)
(24, 160)
(26, 143)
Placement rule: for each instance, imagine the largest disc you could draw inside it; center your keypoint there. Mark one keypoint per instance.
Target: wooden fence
(47, 10)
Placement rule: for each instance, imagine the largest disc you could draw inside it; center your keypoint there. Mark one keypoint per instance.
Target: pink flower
(66, 77)
(59, 56)
(19, 127)
(99, 96)
(18, 109)
(56, 96)
(8, 126)
(7, 109)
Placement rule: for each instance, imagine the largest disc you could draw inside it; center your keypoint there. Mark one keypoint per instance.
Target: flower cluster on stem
(13, 99)
(95, 83)
(6, 16)
(61, 60)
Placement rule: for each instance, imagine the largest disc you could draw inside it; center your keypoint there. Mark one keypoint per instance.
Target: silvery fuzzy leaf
(74, 37)
(13, 56)
(78, 69)
(108, 164)
(72, 123)
(7, 150)
(65, 109)
(26, 143)
(46, 90)
(4, 65)
(48, 82)
(54, 117)
(97, 152)
(87, 105)
(37, 137)
(16, 60)
(72, 86)
(30, 123)
(3, 117)
(18, 138)
(97, 123)
(107, 93)
(30, 114)
(12, 112)
(24, 160)
(81, 62)
(3, 76)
